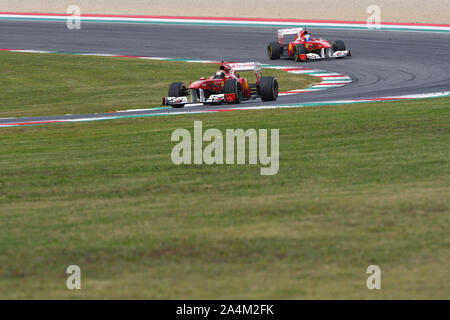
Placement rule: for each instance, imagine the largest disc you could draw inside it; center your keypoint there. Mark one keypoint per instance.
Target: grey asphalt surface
(384, 63)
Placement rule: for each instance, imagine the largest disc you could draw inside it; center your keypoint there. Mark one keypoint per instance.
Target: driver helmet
(220, 74)
(307, 36)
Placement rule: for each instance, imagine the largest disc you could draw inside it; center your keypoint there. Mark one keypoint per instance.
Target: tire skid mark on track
(411, 76)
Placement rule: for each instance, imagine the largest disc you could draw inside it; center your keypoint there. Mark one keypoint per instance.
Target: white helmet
(220, 75)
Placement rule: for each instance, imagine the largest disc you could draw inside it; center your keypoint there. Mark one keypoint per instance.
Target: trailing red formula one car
(304, 47)
(224, 87)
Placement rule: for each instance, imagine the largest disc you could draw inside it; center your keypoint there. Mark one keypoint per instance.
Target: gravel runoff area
(415, 11)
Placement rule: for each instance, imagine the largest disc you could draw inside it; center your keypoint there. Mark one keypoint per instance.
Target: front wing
(213, 99)
(324, 55)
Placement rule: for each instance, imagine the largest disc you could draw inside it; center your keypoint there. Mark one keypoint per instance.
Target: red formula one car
(304, 47)
(224, 87)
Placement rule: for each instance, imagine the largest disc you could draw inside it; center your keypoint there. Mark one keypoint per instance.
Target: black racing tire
(274, 50)
(339, 45)
(233, 86)
(268, 89)
(177, 89)
(299, 49)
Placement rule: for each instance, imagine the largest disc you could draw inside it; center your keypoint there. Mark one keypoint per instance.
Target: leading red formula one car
(305, 47)
(226, 86)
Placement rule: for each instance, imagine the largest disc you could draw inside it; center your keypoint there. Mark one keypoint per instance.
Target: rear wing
(287, 32)
(248, 66)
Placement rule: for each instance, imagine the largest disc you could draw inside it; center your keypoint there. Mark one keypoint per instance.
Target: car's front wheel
(177, 89)
(339, 45)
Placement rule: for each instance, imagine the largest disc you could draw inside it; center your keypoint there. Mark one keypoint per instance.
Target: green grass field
(358, 185)
(55, 84)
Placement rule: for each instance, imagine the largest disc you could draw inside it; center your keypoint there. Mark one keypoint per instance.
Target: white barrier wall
(430, 11)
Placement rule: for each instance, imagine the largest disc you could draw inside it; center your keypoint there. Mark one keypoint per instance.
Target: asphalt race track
(384, 63)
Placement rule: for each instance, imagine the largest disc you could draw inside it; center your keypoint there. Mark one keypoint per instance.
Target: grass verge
(358, 185)
(56, 84)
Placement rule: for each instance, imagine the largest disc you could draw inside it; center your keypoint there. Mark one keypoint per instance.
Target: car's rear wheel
(268, 89)
(339, 45)
(299, 49)
(177, 89)
(274, 50)
(233, 86)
